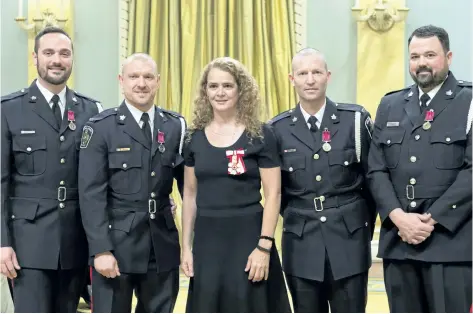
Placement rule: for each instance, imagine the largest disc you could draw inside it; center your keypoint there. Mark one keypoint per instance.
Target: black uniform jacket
(424, 170)
(125, 187)
(327, 209)
(40, 208)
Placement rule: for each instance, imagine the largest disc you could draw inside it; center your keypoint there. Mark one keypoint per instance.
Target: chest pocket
(294, 172)
(30, 154)
(448, 148)
(343, 167)
(125, 172)
(391, 140)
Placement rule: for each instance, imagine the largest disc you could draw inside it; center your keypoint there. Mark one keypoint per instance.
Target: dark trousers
(53, 291)
(346, 295)
(422, 287)
(156, 292)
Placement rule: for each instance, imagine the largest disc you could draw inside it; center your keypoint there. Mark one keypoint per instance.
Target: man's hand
(8, 262)
(413, 228)
(173, 207)
(106, 265)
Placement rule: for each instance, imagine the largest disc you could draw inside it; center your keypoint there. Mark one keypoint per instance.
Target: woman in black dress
(232, 259)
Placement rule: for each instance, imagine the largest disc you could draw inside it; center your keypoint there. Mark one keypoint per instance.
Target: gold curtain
(184, 35)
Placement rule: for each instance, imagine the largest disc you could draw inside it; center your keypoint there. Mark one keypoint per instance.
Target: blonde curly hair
(249, 100)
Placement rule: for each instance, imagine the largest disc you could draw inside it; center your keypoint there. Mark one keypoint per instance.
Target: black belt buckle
(410, 192)
(152, 208)
(61, 193)
(321, 200)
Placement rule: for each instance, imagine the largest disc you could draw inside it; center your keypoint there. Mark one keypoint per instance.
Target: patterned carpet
(377, 301)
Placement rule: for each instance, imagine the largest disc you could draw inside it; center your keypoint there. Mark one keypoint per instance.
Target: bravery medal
(236, 165)
(429, 117)
(71, 119)
(326, 138)
(160, 139)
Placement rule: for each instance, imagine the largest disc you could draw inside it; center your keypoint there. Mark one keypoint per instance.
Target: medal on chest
(429, 117)
(236, 166)
(71, 118)
(160, 140)
(326, 138)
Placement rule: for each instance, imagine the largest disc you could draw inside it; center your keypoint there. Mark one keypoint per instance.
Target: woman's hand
(258, 263)
(187, 263)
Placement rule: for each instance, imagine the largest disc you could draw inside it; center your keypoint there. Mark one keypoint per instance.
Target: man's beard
(54, 80)
(430, 80)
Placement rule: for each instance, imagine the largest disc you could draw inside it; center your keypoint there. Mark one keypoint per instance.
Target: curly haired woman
(229, 154)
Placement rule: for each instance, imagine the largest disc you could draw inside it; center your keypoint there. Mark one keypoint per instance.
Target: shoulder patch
(170, 112)
(87, 133)
(104, 114)
(85, 97)
(281, 116)
(15, 95)
(399, 90)
(350, 107)
(464, 83)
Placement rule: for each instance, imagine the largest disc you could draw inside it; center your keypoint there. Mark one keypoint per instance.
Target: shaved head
(307, 52)
(142, 57)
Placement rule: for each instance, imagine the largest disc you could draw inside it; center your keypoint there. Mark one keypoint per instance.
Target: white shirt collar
(137, 113)
(432, 93)
(319, 115)
(48, 95)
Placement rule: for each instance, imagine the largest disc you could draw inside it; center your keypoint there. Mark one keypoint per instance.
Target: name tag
(28, 131)
(391, 124)
(290, 150)
(123, 149)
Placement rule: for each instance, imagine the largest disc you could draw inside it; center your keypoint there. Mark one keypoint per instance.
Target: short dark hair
(50, 30)
(431, 31)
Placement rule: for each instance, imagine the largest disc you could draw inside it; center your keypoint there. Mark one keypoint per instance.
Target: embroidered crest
(87, 133)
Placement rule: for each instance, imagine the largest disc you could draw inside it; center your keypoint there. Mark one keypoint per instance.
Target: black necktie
(146, 128)
(313, 124)
(57, 110)
(423, 102)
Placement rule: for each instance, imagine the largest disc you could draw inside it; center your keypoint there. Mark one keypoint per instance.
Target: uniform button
(388, 142)
(291, 169)
(316, 156)
(61, 205)
(109, 226)
(63, 160)
(62, 183)
(318, 178)
(412, 181)
(322, 198)
(323, 219)
(283, 229)
(172, 164)
(413, 204)
(366, 224)
(413, 158)
(61, 138)
(153, 195)
(12, 216)
(417, 137)
(28, 149)
(124, 166)
(153, 174)
(345, 163)
(454, 206)
(448, 139)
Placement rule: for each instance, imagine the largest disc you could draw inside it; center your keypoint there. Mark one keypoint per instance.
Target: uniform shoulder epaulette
(399, 90)
(86, 97)
(282, 115)
(172, 113)
(350, 107)
(464, 83)
(15, 95)
(104, 114)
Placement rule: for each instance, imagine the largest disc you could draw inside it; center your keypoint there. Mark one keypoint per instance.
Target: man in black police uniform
(129, 158)
(420, 177)
(328, 217)
(41, 226)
